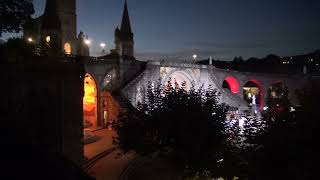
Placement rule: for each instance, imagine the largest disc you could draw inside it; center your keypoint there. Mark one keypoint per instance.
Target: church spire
(125, 24)
(124, 36)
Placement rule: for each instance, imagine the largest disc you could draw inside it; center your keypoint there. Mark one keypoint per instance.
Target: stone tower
(59, 25)
(124, 43)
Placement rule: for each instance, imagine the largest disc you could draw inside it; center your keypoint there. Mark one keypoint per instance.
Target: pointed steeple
(124, 37)
(117, 32)
(125, 24)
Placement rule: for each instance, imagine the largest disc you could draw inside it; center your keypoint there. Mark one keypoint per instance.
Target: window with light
(67, 48)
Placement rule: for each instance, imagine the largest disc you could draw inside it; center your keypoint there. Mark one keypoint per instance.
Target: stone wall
(209, 75)
(110, 108)
(133, 77)
(42, 99)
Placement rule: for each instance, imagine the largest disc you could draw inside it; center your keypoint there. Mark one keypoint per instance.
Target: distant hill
(272, 63)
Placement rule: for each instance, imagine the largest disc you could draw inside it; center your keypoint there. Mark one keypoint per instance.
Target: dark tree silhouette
(16, 49)
(185, 126)
(308, 128)
(14, 14)
(278, 106)
(271, 151)
(51, 49)
(285, 147)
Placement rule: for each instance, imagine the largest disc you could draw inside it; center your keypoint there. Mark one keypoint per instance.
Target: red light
(233, 83)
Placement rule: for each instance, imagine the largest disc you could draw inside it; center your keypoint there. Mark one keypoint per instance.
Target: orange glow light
(90, 99)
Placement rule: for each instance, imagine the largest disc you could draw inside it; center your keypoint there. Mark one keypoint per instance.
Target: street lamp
(194, 57)
(87, 42)
(102, 45)
(30, 40)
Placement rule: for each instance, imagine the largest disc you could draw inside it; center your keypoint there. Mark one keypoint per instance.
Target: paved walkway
(104, 143)
(154, 169)
(111, 166)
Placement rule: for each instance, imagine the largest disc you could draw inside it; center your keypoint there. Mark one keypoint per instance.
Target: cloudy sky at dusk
(176, 29)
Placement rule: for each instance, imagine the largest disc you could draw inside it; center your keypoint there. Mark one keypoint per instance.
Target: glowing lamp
(102, 45)
(48, 39)
(195, 56)
(292, 109)
(87, 42)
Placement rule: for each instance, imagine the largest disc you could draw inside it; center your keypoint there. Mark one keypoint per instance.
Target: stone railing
(177, 64)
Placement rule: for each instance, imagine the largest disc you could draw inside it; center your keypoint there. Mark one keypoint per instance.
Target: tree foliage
(16, 49)
(278, 106)
(14, 14)
(308, 128)
(186, 126)
(51, 49)
(284, 147)
(190, 127)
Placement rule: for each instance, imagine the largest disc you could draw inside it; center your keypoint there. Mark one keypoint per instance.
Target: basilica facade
(57, 29)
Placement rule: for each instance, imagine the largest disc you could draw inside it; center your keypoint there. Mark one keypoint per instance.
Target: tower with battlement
(57, 27)
(64, 28)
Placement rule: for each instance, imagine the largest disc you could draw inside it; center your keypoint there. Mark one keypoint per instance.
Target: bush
(185, 126)
(285, 146)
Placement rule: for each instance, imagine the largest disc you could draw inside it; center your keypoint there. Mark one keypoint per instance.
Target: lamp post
(102, 45)
(87, 42)
(194, 58)
(30, 40)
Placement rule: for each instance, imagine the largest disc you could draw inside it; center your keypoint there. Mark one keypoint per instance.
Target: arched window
(90, 101)
(140, 96)
(48, 39)
(67, 48)
(253, 93)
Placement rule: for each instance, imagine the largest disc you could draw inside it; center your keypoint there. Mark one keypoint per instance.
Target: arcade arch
(232, 84)
(180, 79)
(67, 48)
(90, 102)
(253, 93)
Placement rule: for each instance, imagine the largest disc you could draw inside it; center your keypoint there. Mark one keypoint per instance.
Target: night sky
(223, 29)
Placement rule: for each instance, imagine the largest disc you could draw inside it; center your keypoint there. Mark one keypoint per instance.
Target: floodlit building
(57, 29)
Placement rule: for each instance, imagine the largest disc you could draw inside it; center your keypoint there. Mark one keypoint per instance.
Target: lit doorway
(252, 93)
(90, 102)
